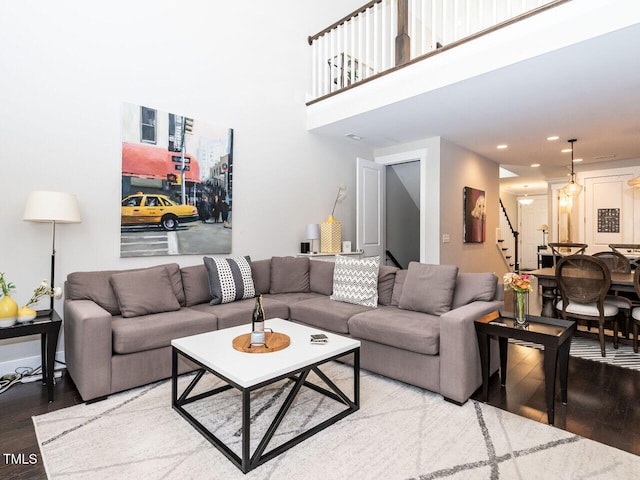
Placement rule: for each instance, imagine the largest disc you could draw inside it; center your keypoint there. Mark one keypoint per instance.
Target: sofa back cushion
(96, 286)
(289, 275)
(230, 279)
(142, 292)
(398, 284)
(195, 282)
(261, 270)
(471, 287)
(429, 288)
(386, 282)
(321, 276)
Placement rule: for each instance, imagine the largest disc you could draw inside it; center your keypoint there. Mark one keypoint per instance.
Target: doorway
(371, 222)
(530, 218)
(402, 213)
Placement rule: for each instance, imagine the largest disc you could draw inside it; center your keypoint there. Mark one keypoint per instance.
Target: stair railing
(384, 35)
(509, 243)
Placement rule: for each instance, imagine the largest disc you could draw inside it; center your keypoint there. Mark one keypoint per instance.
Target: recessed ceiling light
(565, 150)
(535, 164)
(502, 147)
(602, 157)
(552, 138)
(353, 136)
(577, 160)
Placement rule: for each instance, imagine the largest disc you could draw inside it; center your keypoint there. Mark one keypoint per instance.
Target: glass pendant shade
(573, 188)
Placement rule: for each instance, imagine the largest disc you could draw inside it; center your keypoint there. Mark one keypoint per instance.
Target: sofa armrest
(88, 347)
(460, 372)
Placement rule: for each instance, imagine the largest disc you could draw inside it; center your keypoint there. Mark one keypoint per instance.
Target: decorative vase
(26, 314)
(521, 308)
(8, 311)
(331, 236)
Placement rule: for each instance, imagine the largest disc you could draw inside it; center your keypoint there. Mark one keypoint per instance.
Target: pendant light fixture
(573, 188)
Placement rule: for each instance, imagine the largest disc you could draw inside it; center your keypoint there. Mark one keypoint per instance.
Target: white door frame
(427, 223)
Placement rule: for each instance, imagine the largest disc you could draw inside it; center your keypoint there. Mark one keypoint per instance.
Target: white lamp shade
(59, 207)
(313, 231)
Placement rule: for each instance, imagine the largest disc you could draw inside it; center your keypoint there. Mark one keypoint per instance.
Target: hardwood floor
(602, 405)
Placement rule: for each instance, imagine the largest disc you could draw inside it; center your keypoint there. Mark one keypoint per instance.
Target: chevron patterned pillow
(356, 280)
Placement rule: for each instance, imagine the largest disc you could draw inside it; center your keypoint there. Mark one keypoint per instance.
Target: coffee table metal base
(248, 461)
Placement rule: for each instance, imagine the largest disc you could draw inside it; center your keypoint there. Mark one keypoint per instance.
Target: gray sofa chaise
(118, 325)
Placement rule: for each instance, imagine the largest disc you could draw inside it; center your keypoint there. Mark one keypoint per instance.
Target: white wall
(462, 168)
(68, 66)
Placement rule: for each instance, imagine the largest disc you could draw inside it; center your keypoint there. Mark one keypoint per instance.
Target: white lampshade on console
(53, 207)
(312, 232)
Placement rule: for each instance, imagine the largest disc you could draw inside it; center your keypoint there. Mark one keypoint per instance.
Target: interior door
(370, 207)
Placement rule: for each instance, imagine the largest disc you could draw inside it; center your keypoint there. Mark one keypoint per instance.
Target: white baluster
(361, 56)
(314, 69)
(376, 38)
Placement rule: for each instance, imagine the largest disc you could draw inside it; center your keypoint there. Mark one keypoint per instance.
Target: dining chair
(636, 311)
(583, 282)
(563, 249)
(628, 249)
(618, 263)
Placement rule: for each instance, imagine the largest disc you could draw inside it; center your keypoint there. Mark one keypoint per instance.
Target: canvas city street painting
(177, 184)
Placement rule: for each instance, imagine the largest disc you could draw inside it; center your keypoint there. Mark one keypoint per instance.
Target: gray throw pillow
(230, 279)
(356, 280)
(471, 287)
(142, 292)
(289, 275)
(429, 288)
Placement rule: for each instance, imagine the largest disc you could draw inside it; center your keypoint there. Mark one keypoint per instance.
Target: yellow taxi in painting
(142, 208)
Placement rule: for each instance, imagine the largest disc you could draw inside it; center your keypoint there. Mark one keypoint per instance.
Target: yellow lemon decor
(8, 308)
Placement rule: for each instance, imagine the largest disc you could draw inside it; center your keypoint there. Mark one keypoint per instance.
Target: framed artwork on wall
(177, 184)
(474, 215)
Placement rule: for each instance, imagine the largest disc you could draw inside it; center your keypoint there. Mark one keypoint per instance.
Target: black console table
(46, 324)
(553, 333)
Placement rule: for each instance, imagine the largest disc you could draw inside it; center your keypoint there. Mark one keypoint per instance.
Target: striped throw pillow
(230, 279)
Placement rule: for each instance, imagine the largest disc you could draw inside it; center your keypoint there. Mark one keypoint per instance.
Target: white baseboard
(28, 362)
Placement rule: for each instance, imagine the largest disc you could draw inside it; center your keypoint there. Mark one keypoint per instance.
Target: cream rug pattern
(400, 432)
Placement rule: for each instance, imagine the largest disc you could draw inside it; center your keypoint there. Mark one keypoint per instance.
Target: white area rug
(400, 432)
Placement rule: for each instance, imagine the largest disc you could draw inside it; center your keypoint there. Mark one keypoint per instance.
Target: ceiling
(589, 91)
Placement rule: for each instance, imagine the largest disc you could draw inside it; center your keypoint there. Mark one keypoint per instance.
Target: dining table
(620, 282)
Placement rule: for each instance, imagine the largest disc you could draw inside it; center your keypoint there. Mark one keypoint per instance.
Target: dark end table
(47, 324)
(553, 333)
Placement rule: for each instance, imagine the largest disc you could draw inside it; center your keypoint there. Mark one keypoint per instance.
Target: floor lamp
(53, 207)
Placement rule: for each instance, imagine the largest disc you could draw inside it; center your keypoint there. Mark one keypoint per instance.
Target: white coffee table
(247, 372)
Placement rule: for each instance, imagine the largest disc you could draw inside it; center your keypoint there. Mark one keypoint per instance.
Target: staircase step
(500, 241)
(504, 249)
(507, 256)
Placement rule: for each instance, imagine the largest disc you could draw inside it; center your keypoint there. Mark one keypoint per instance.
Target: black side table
(48, 326)
(553, 333)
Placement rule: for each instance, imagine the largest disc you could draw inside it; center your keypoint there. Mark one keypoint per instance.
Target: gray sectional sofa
(118, 325)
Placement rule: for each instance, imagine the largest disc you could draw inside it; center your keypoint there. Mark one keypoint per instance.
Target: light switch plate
(446, 238)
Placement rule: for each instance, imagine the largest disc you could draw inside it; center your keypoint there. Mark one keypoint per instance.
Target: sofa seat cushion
(325, 313)
(414, 331)
(147, 332)
(241, 312)
(291, 298)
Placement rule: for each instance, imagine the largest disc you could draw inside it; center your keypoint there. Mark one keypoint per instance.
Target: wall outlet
(446, 238)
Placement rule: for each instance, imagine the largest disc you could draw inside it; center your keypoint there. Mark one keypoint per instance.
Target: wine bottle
(257, 330)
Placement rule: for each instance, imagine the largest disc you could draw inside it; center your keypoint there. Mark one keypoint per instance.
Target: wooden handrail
(424, 56)
(344, 19)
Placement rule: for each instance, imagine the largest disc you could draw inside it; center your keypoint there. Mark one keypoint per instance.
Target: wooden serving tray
(274, 341)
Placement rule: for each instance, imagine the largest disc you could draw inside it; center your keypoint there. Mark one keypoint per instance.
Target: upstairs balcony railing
(386, 34)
